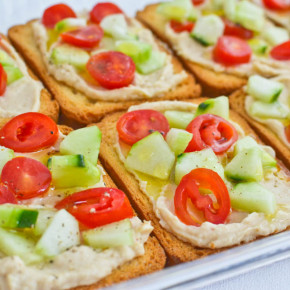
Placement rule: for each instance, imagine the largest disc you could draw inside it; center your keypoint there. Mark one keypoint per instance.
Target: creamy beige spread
(23, 95)
(240, 226)
(275, 125)
(155, 84)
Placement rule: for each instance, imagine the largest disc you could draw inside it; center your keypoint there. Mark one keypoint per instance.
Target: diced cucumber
(274, 110)
(178, 140)
(208, 29)
(153, 63)
(61, 234)
(178, 119)
(13, 74)
(69, 24)
(250, 15)
(6, 154)
(107, 43)
(263, 89)
(85, 141)
(198, 159)
(43, 220)
(112, 235)
(246, 166)
(218, 106)
(151, 155)
(66, 54)
(6, 59)
(252, 197)
(72, 171)
(15, 217)
(139, 51)
(258, 46)
(217, 4)
(230, 7)
(276, 35)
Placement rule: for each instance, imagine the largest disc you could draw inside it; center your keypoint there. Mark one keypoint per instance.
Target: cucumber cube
(258, 46)
(6, 59)
(230, 7)
(218, 106)
(276, 35)
(178, 139)
(155, 61)
(252, 197)
(178, 119)
(13, 74)
(151, 156)
(274, 110)
(205, 158)
(6, 154)
(263, 89)
(111, 235)
(43, 220)
(68, 24)
(85, 141)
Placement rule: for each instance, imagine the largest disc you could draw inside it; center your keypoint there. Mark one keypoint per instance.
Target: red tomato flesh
(56, 13)
(96, 207)
(101, 10)
(181, 26)
(29, 132)
(87, 37)
(188, 189)
(231, 50)
(3, 80)
(287, 133)
(279, 5)
(197, 2)
(211, 131)
(237, 30)
(281, 51)
(26, 177)
(134, 126)
(112, 69)
(6, 195)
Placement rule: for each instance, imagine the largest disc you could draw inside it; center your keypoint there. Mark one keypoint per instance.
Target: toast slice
(48, 106)
(237, 103)
(76, 105)
(213, 84)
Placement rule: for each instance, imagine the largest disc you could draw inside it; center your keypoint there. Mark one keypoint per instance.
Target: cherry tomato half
(6, 195)
(29, 132)
(197, 2)
(56, 13)
(281, 5)
(211, 131)
(3, 80)
(101, 10)
(287, 133)
(231, 50)
(181, 26)
(97, 206)
(26, 177)
(188, 189)
(134, 126)
(281, 51)
(87, 37)
(237, 30)
(112, 69)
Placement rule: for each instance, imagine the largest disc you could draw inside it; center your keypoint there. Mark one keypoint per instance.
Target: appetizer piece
(100, 62)
(20, 90)
(221, 42)
(63, 223)
(198, 172)
(264, 103)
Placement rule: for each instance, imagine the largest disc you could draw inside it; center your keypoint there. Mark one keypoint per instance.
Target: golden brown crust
(213, 84)
(75, 105)
(237, 103)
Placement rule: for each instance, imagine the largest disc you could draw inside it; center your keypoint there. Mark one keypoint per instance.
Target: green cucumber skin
(27, 219)
(201, 40)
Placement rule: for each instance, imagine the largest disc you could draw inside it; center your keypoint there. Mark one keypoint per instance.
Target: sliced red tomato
(6, 195)
(211, 131)
(26, 177)
(134, 126)
(56, 13)
(231, 50)
(3, 80)
(97, 206)
(188, 189)
(280, 5)
(181, 26)
(197, 2)
(112, 69)
(29, 132)
(237, 30)
(101, 10)
(281, 51)
(287, 132)
(87, 37)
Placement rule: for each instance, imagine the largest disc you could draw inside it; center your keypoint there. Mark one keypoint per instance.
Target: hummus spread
(23, 95)
(275, 125)
(240, 226)
(155, 84)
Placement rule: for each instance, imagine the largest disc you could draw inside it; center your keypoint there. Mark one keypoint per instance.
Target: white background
(12, 12)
